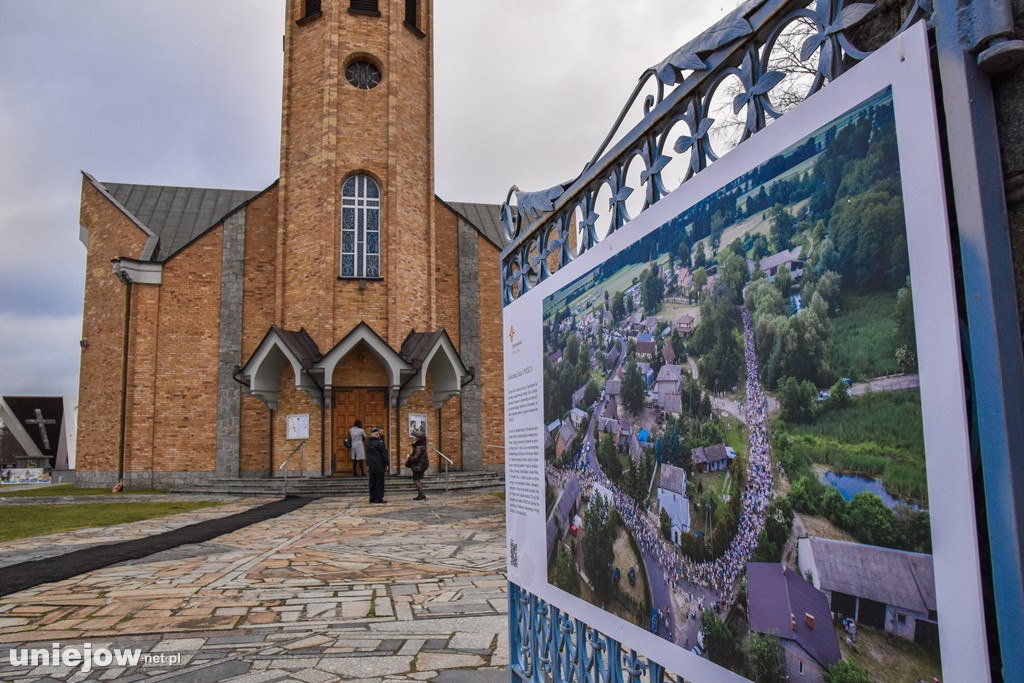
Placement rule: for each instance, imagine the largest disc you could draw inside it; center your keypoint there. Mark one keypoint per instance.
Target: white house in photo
(672, 499)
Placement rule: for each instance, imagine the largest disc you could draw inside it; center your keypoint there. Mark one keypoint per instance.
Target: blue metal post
(996, 365)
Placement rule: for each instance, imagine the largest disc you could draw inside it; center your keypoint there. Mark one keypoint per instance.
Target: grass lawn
(713, 481)
(888, 658)
(673, 311)
(62, 490)
(625, 558)
(864, 337)
(25, 521)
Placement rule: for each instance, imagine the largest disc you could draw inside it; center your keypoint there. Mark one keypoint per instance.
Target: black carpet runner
(18, 577)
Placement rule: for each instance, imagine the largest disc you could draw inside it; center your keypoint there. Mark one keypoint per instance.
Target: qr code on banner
(513, 554)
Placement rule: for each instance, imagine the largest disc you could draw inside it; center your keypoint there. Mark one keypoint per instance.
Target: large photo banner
(736, 429)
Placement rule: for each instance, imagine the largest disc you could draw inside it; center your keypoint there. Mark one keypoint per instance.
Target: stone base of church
(142, 480)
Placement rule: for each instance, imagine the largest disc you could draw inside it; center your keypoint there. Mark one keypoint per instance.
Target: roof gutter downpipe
(122, 425)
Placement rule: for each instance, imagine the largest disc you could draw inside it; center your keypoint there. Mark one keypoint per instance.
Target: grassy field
(672, 311)
(755, 225)
(888, 658)
(61, 490)
(26, 521)
(879, 435)
(890, 418)
(625, 558)
(863, 338)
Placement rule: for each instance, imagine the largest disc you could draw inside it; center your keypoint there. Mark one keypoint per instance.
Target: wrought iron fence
(703, 99)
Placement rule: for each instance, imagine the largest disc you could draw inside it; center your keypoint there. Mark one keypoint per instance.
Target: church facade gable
(209, 334)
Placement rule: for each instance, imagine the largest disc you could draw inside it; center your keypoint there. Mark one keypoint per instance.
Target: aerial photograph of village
(734, 447)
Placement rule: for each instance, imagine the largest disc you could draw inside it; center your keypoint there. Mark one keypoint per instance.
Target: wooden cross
(41, 423)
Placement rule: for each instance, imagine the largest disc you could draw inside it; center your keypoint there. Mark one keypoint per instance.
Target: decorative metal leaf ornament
(659, 164)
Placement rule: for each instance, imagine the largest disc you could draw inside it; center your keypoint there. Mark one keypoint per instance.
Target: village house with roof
(788, 258)
(672, 499)
(781, 602)
(888, 589)
(669, 388)
(712, 458)
(566, 435)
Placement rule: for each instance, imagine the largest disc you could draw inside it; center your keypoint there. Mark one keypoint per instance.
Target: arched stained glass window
(360, 228)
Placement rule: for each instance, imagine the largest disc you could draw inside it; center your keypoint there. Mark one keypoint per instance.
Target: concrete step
(348, 486)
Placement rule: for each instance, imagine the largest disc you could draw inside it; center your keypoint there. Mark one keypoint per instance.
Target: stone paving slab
(338, 590)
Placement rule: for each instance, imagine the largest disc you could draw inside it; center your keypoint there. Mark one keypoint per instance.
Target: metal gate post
(996, 366)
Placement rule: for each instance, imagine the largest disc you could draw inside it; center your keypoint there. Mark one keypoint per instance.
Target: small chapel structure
(216, 319)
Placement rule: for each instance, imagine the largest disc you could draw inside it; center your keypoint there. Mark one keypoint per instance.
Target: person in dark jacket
(377, 463)
(419, 461)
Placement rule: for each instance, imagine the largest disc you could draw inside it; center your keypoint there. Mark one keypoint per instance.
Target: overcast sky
(188, 92)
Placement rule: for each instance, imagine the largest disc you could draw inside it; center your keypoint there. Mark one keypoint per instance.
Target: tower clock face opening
(363, 74)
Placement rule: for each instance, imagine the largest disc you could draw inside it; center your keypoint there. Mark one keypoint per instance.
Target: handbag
(408, 461)
(348, 442)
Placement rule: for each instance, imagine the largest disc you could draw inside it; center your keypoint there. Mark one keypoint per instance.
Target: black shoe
(420, 497)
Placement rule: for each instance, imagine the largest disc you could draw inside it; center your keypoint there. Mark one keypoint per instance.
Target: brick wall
(187, 346)
(110, 235)
(492, 369)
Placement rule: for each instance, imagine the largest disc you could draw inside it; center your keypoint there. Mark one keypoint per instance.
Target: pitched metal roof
(177, 215)
(894, 577)
(709, 454)
(486, 218)
(300, 344)
(670, 373)
(781, 600)
(673, 479)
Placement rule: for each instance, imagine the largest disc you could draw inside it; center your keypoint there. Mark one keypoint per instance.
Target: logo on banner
(512, 340)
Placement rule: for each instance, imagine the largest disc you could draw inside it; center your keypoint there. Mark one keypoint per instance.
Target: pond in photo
(850, 485)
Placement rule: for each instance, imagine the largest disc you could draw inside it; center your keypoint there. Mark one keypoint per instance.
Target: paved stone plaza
(339, 589)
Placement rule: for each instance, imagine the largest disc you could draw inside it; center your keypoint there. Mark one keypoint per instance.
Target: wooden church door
(367, 405)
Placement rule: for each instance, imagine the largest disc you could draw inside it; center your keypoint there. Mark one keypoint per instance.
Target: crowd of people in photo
(721, 574)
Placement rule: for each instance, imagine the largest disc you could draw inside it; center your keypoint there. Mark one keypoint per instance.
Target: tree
(784, 281)
(591, 394)
(765, 657)
(652, 291)
(708, 503)
(796, 399)
(666, 525)
(906, 334)
(912, 529)
(600, 529)
(633, 387)
(700, 278)
(845, 671)
(608, 458)
(700, 259)
(870, 519)
(618, 306)
(783, 225)
(838, 396)
(733, 273)
(719, 640)
(760, 248)
(566, 576)
(572, 351)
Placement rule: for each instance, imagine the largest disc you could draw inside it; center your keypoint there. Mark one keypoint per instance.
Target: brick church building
(345, 290)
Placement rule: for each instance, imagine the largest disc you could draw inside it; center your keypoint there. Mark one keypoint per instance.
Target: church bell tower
(356, 230)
